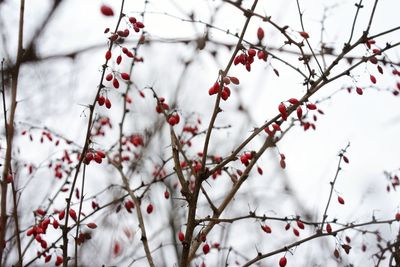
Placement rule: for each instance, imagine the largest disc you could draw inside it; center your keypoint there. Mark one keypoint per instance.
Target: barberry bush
(200, 133)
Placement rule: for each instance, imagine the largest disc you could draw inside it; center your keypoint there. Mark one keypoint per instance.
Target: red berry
(252, 52)
(260, 33)
(139, 24)
(359, 91)
(106, 10)
(108, 103)
(244, 160)
(116, 83)
(224, 95)
(293, 101)
(236, 60)
(341, 200)
(39, 230)
(125, 76)
(40, 212)
(206, 248)
(282, 262)
(97, 158)
(363, 247)
(282, 110)
(172, 120)
(299, 112)
(377, 51)
(336, 253)
(149, 208)
(30, 232)
(72, 213)
(59, 260)
(266, 229)
(372, 78)
(234, 80)
(249, 156)
(214, 89)
(296, 232)
(128, 99)
(55, 224)
(282, 162)
(132, 20)
(91, 225)
(108, 55)
(45, 223)
(43, 244)
(109, 77)
(94, 205)
(129, 205)
(38, 238)
(177, 118)
(101, 154)
(261, 55)
(89, 157)
(226, 80)
(61, 215)
(166, 194)
(397, 216)
(117, 248)
(101, 100)
(380, 69)
(276, 127)
(328, 228)
(373, 60)
(181, 236)
(304, 35)
(113, 37)
(47, 258)
(311, 106)
(300, 224)
(119, 59)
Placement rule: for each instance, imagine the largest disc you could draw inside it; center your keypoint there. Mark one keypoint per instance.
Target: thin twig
(338, 169)
(139, 214)
(78, 222)
(314, 236)
(190, 226)
(359, 6)
(371, 17)
(10, 131)
(306, 39)
(86, 146)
